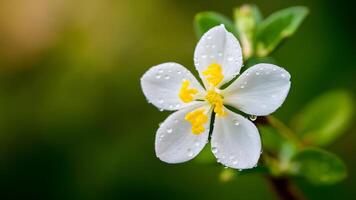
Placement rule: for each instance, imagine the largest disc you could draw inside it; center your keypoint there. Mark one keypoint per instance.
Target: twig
(285, 189)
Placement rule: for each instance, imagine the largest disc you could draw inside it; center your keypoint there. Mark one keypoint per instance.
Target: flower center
(185, 93)
(213, 74)
(197, 118)
(216, 100)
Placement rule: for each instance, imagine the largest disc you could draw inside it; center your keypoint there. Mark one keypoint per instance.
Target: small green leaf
(325, 118)
(247, 17)
(318, 166)
(206, 20)
(278, 26)
(277, 146)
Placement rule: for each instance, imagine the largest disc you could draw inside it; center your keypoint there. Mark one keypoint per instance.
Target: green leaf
(325, 118)
(277, 146)
(278, 26)
(206, 20)
(318, 166)
(247, 17)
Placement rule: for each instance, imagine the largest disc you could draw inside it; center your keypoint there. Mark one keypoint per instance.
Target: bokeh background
(74, 123)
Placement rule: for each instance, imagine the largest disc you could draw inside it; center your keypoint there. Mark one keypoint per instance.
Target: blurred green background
(74, 123)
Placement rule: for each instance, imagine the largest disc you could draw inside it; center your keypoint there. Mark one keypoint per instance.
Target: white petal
(218, 46)
(161, 85)
(235, 141)
(260, 90)
(175, 142)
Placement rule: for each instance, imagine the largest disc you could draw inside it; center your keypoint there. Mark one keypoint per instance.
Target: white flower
(235, 140)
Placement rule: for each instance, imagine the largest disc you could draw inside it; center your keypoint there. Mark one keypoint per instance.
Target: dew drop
(204, 56)
(214, 150)
(197, 144)
(190, 153)
(220, 54)
(179, 72)
(242, 86)
(283, 75)
(158, 76)
(234, 162)
(176, 121)
(166, 77)
(208, 37)
(257, 73)
(160, 71)
(253, 117)
(230, 59)
(226, 167)
(161, 109)
(169, 130)
(160, 101)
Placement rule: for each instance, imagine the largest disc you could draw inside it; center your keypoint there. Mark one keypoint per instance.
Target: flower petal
(260, 90)
(161, 85)
(221, 47)
(175, 142)
(235, 141)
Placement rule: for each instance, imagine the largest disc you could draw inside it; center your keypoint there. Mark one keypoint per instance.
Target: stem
(285, 189)
(282, 186)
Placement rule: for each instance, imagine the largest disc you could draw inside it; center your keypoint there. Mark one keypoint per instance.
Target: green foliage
(206, 20)
(278, 26)
(258, 37)
(325, 118)
(318, 166)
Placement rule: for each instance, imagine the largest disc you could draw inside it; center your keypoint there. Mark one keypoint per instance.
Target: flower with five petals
(235, 140)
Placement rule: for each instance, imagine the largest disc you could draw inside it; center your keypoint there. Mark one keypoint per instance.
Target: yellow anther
(186, 93)
(213, 74)
(197, 118)
(216, 100)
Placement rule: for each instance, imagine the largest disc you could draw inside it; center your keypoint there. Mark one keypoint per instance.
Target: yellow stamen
(213, 74)
(197, 118)
(186, 94)
(216, 100)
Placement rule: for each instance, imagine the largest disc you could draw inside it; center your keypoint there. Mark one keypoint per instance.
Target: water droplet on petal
(214, 150)
(160, 101)
(161, 109)
(204, 56)
(158, 76)
(253, 117)
(230, 59)
(166, 77)
(190, 153)
(257, 73)
(170, 130)
(234, 162)
(160, 71)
